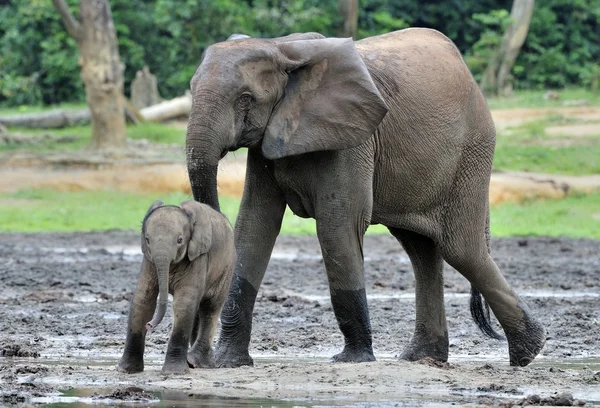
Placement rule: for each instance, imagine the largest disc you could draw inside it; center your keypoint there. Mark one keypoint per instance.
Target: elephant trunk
(205, 145)
(162, 270)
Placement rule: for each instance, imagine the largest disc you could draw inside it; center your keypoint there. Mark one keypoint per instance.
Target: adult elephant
(388, 130)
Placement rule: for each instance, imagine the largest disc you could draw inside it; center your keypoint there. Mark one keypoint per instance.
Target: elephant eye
(179, 240)
(147, 240)
(245, 100)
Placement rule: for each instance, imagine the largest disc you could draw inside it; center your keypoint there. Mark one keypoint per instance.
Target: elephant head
(169, 233)
(287, 96)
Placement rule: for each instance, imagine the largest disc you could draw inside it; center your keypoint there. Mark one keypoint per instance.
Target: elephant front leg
(342, 253)
(185, 306)
(256, 230)
(141, 310)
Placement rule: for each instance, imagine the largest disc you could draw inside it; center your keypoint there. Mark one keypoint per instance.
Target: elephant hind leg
(430, 338)
(464, 245)
(201, 352)
(526, 336)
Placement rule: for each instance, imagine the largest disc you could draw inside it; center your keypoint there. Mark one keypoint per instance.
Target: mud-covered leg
(526, 336)
(185, 306)
(464, 247)
(342, 253)
(430, 338)
(256, 229)
(340, 233)
(201, 353)
(141, 310)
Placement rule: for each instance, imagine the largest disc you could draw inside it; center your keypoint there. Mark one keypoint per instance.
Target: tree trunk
(101, 70)
(496, 78)
(144, 89)
(349, 12)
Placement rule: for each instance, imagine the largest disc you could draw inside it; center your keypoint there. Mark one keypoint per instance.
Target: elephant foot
(228, 357)
(420, 347)
(197, 359)
(526, 343)
(354, 355)
(130, 365)
(175, 367)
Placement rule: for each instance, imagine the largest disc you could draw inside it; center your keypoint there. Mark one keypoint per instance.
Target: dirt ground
(64, 305)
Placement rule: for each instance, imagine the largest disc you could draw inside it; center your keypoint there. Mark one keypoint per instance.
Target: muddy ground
(64, 304)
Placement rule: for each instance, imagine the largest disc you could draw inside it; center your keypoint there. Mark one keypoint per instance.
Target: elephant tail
(480, 312)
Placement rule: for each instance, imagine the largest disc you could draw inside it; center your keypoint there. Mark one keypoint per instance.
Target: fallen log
(44, 138)
(60, 118)
(180, 106)
(53, 119)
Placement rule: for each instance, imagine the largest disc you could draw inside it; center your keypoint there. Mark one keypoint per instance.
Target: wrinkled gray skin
(388, 130)
(189, 252)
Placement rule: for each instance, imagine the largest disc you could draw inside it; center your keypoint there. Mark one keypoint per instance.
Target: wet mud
(65, 298)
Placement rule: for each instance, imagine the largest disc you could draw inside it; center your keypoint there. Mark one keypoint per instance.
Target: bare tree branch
(72, 25)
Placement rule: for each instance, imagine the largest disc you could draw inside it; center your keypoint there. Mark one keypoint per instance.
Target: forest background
(38, 58)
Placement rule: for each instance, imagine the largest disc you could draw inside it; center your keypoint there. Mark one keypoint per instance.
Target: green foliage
(39, 61)
(375, 17)
(562, 46)
(492, 26)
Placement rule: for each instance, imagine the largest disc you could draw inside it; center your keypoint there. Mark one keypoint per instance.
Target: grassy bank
(537, 99)
(153, 132)
(43, 210)
(534, 147)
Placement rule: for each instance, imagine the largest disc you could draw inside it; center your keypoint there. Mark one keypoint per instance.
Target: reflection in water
(85, 397)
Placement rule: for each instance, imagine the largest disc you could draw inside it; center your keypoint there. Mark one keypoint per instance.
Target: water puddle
(136, 397)
(134, 254)
(324, 356)
(411, 296)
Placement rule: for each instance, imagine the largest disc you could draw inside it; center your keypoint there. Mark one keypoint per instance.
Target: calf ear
(201, 238)
(330, 102)
(153, 207)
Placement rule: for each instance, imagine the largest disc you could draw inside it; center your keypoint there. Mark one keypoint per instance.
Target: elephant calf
(188, 252)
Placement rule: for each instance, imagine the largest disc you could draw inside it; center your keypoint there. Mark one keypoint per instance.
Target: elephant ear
(201, 238)
(153, 207)
(330, 102)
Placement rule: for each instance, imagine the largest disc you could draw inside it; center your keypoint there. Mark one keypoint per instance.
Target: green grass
(154, 132)
(45, 210)
(535, 99)
(574, 216)
(48, 210)
(38, 108)
(528, 148)
(573, 160)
